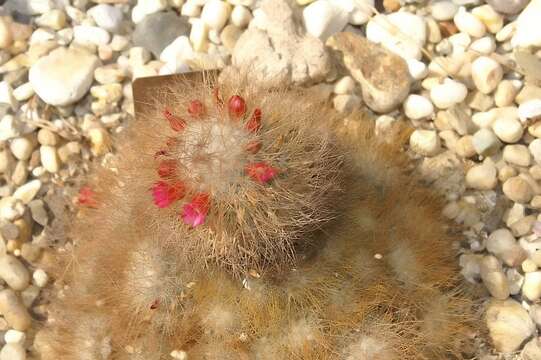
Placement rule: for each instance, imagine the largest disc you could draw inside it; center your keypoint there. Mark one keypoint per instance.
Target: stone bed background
(473, 99)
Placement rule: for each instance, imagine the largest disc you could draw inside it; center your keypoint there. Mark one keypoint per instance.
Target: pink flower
(87, 197)
(261, 172)
(195, 212)
(165, 194)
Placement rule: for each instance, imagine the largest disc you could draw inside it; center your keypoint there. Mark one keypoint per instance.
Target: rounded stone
(482, 177)
(517, 189)
(64, 76)
(418, 107)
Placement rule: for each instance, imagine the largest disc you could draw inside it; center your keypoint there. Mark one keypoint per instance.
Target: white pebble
(324, 18)
(485, 142)
(199, 35)
(509, 325)
(486, 73)
(418, 107)
(492, 20)
(518, 190)
(14, 273)
(417, 69)
(14, 337)
(49, 158)
(215, 14)
(443, 10)
(494, 278)
(190, 9)
(482, 177)
(147, 7)
(468, 23)
(21, 148)
(241, 16)
(40, 278)
(6, 95)
(425, 142)
(13, 352)
(11, 208)
(91, 34)
(503, 245)
(528, 31)
(517, 155)
(535, 150)
(23, 92)
(508, 129)
(106, 16)
(345, 85)
(531, 289)
(506, 92)
(448, 93)
(28, 191)
(530, 110)
(485, 45)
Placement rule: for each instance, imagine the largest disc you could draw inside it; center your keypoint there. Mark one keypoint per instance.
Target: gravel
(447, 68)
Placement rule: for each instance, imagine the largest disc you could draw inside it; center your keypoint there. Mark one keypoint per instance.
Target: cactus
(243, 223)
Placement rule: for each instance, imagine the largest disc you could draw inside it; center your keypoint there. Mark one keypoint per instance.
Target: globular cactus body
(240, 223)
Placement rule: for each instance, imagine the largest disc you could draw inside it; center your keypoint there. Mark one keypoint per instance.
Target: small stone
(159, 30)
(40, 278)
(532, 350)
(515, 280)
(482, 177)
(528, 266)
(528, 92)
(241, 16)
(528, 32)
(30, 252)
(508, 129)
(490, 18)
(28, 191)
(418, 107)
(508, 6)
(39, 214)
(23, 92)
(14, 337)
(443, 10)
(13, 352)
(21, 147)
(345, 85)
(417, 69)
(6, 95)
(215, 14)
(485, 45)
(494, 278)
(346, 103)
(517, 189)
(464, 147)
(10, 208)
(54, 19)
(383, 76)
(14, 311)
(508, 324)
(425, 142)
(531, 289)
(407, 43)
(479, 101)
(469, 24)
(109, 74)
(530, 110)
(146, 8)
(505, 93)
(535, 150)
(14, 273)
(49, 158)
(6, 36)
(199, 35)
(9, 128)
(191, 9)
(486, 142)
(448, 93)
(107, 17)
(64, 76)
(138, 56)
(324, 18)
(503, 245)
(91, 34)
(517, 155)
(100, 141)
(229, 36)
(486, 74)
(47, 137)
